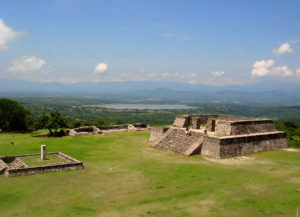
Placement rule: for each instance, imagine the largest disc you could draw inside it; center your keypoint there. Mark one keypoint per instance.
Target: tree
(13, 116)
(52, 121)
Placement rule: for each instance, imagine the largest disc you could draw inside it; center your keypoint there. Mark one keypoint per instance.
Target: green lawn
(36, 160)
(125, 177)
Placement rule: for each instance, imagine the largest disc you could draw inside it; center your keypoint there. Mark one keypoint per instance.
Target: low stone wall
(156, 133)
(43, 169)
(24, 170)
(113, 127)
(84, 131)
(230, 146)
(94, 130)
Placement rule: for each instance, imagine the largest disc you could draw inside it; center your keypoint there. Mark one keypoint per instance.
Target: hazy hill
(261, 93)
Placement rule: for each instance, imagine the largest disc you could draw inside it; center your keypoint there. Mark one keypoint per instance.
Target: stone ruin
(102, 129)
(14, 166)
(218, 136)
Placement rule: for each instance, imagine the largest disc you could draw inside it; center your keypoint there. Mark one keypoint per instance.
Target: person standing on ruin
(190, 132)
(186, 131)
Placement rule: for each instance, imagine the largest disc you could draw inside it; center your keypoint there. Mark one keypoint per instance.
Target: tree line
(14, 117)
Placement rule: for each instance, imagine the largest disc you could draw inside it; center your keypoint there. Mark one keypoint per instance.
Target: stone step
(3, 166)
(16, 164)
(177, 141)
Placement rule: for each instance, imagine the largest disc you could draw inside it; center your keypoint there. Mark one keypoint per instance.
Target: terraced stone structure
(219, 136)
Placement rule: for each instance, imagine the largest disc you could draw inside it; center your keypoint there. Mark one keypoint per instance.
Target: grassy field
(36, 160)
(125, 177)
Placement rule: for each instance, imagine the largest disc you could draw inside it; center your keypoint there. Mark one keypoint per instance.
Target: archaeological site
(16, 165)
(103, 129)
(218, 136)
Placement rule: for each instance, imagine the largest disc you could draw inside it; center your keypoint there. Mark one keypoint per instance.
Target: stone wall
(252, 126)
(230, 146)
(198, 119)
(94, 130)
(211, 147)
(223, 127)
(113, 127)
(43, 169)
(182, 121)
(14, 166)
(84, 131)
(156, 133)
(246, 144)
(196, 122)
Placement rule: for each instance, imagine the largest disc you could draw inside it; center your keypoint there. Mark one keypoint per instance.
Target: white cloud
(153, 75)
(262, 68)
(192, 75)
(26, 64)
(6, 34)
(284, 48)
(219, 73)
(166, 74)
(282, 71)
(298, 72)
(47, 70)
(100, 68)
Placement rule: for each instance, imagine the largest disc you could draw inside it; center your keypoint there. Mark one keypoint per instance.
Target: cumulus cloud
(284, 48)
(100, 68)
(26, 64)
(219, 73)
(265, 68)
(281, 71)
(6, 34)
(166, 74)
(262, 68)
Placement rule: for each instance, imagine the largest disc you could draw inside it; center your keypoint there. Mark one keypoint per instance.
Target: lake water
(140, 106)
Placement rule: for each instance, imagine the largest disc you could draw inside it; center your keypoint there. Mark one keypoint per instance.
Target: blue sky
(211, 42)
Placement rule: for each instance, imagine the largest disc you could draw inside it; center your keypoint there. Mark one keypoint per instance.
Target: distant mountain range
(268, 92)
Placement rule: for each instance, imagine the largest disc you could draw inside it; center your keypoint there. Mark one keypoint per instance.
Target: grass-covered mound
(124, 177)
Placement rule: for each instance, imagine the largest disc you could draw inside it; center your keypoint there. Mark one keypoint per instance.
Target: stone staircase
(3, 166)
(16, 164)
(177, 141)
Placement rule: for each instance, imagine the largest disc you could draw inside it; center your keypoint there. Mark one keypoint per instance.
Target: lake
(140, 106)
